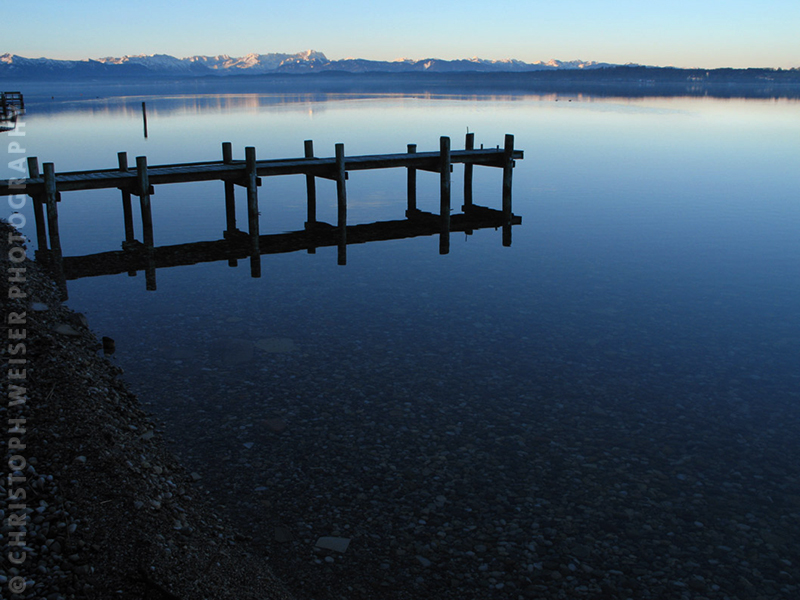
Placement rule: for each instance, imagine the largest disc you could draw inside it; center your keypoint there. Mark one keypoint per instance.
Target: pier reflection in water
(236, 245)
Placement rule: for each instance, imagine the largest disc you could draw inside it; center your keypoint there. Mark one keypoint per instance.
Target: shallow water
(617, 389)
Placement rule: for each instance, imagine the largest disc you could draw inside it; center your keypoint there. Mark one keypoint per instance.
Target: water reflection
(236, 245)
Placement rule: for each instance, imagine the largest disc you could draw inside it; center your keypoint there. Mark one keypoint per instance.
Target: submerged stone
(336, 544)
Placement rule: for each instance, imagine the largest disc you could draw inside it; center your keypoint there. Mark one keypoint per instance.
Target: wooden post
(38, 209)
(444, 194)
(341, 202)
(227, 153)
(468, 167)
(230, 200)
(143, 182)
(412, 185)
(508, 169)
(144, 119)
(51, 198)
(230, 196)
(311, 193)
(251, 181)
(127, 208)
(311, 187)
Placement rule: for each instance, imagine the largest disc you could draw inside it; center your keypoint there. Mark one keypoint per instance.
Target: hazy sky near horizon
(682, 33)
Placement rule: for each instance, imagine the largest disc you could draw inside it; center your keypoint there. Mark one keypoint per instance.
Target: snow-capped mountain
(308, 61)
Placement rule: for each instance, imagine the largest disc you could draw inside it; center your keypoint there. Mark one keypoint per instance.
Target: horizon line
(397, 60)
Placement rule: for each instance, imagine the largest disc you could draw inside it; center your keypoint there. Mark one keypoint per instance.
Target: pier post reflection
(137, 257)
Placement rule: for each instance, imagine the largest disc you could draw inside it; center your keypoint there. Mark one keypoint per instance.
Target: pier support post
(230, 200)
(51, 198)
(311, 193)
(251, 182)
(444, 195)
(468, 168)
(143, 183)
(127, 208)
(311, 187)
(38, 208)
(341, 203)
(412, 185)
(508, 169)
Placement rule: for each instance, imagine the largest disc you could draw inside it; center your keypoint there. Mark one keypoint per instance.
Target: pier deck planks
(233, 171)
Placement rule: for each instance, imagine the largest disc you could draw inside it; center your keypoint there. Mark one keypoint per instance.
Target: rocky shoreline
(93, 505)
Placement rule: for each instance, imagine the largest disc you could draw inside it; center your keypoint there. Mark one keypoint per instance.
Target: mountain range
(302, 62)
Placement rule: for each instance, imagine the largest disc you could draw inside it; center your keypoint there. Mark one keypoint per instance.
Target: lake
(607, 408)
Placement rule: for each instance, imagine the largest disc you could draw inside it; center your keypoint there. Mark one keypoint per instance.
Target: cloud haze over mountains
(302, 62)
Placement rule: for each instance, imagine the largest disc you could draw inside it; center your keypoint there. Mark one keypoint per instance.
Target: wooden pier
(45, 187)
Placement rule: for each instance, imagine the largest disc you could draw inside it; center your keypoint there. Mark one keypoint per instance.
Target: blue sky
(683, 33)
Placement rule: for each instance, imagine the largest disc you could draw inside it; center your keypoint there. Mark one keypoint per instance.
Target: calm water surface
(645, 319)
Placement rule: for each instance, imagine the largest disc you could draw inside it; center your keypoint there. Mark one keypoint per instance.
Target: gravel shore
(92, 504)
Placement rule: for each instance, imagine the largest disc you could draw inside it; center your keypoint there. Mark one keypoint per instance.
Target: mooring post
(341, 203)
(412, 185)
(508, 169)
(143, 183)
(51, 199)
(444, 195)
(127, 208)
(38, 209)
(251, 181)
(468, 167)
(144, 118)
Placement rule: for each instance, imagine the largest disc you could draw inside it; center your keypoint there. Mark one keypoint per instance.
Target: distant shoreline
(607, 82)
